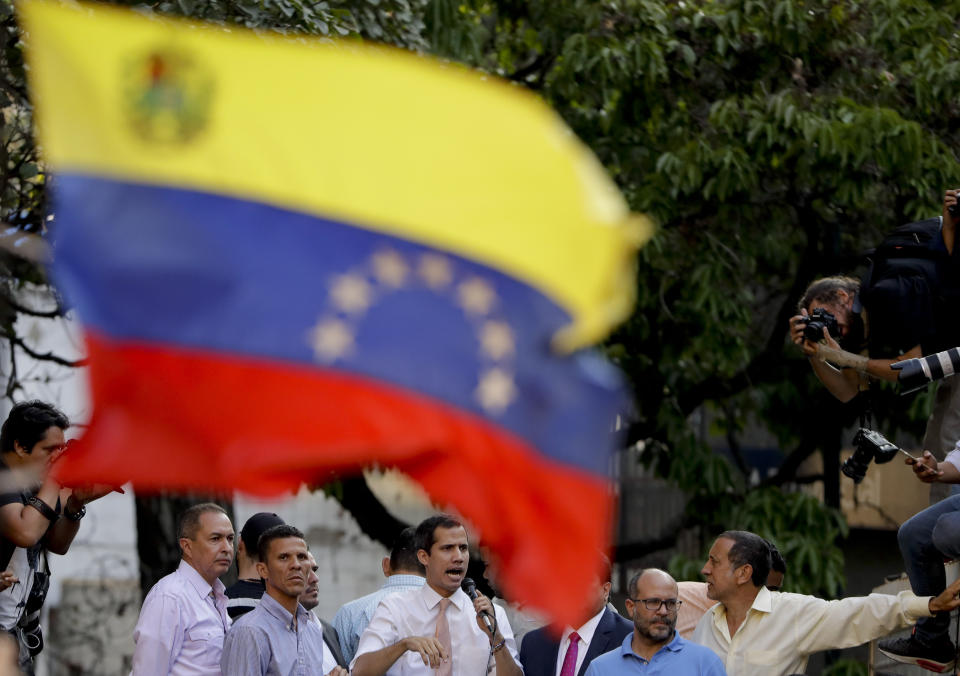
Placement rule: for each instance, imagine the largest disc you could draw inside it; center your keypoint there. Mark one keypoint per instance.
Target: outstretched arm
(947, 600)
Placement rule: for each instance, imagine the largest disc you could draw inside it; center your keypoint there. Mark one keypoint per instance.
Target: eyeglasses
(654, 604)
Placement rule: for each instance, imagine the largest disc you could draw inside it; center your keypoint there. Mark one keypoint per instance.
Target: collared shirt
(585, 633)
(353, 617)
(414, 613)
(523, 618)
(679, 657)
(695, 604)
(267, 642)
(181, 626)
(781, 630)
(329, 661)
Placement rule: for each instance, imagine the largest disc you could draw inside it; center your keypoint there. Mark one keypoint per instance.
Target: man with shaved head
(757, 632)
(654, 648)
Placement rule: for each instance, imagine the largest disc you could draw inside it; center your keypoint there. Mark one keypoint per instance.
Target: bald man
(654, 648)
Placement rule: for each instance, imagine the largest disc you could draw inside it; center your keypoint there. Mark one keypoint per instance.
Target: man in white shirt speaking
(437, 630)
(757, 632)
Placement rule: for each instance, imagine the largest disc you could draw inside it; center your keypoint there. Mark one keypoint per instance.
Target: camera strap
(866, 410)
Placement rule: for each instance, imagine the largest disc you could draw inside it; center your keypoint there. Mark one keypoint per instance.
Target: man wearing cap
(245, 593)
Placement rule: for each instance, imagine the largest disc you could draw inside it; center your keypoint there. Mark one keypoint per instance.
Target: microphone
(470, 589)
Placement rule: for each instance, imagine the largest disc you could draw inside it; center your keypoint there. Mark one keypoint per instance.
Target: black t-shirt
(913, 301)
(244, 596)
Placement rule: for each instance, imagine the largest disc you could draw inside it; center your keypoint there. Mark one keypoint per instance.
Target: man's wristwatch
(75, 516)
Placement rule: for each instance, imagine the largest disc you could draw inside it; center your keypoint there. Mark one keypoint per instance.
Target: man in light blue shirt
(655, 648)
(403, 572)
(279, 637)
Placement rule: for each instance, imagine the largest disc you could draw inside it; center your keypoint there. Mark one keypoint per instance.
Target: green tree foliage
(774, 141)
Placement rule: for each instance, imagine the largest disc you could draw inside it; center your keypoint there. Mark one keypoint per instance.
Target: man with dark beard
(655, 648)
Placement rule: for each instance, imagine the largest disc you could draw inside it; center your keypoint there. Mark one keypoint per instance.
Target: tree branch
(761, 367)
(43, 356)
(372, 517)
(24, 310)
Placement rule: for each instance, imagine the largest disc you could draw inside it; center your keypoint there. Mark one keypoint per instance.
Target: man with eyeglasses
(757, 632)
(654, 648)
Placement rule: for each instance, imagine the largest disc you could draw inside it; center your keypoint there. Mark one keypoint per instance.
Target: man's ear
(422, 556)
(185, 547)
(20, 450)
(606, 590)
(262, 569)
(744, 573)
(385, 566)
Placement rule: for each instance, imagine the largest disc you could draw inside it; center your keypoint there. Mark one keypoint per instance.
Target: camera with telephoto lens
(870, 446)
(819, 320)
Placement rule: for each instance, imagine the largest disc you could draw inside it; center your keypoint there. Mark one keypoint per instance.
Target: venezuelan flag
(293, 257)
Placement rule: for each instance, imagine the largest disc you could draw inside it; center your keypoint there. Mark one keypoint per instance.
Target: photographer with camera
(905, 307)
(37, 515)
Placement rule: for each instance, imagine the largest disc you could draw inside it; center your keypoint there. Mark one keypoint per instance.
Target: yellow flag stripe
(398, 143)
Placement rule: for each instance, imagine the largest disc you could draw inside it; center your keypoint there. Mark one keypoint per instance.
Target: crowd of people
(421, 620)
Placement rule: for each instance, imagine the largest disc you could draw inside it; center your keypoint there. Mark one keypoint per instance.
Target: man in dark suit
(310, 599)
(542, 654)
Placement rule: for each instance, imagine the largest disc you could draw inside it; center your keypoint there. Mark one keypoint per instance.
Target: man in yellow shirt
(757, 632)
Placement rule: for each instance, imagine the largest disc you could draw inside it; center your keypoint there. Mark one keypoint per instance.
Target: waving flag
(293, 257)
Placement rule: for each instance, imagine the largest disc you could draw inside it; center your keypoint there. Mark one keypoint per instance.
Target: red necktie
(569, 667)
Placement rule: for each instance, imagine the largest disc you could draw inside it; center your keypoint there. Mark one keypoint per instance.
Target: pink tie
(569, 667)
(443, 635)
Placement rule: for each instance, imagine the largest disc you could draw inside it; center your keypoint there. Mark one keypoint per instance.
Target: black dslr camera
(870, 446)
(819, 320)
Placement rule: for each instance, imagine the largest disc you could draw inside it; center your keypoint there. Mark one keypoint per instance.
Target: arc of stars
(331, 339)
(496, 390)
(351, 293)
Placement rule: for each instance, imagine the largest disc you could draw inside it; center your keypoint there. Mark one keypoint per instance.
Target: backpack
(910, 291)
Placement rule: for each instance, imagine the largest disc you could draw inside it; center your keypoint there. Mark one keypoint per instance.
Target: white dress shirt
(585, 633)
(329, 661)
(181, 626)
(414, 613)
(782, 630)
